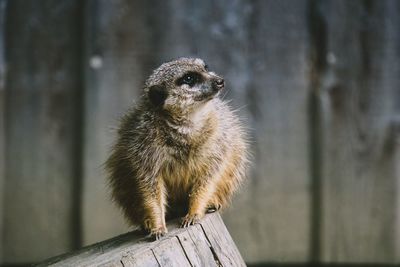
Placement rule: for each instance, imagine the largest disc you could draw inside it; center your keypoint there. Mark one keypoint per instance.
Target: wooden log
(205, 244)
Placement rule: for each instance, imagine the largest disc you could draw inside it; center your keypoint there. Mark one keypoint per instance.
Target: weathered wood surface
(205, 244)
(42, 109)
(360, 95)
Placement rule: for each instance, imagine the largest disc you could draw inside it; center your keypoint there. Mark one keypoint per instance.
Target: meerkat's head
(182, 85)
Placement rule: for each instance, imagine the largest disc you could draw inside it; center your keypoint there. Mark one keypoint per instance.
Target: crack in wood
(184, 251)
(154, 254)
(216, 259)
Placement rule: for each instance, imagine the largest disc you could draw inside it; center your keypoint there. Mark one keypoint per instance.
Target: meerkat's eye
(190, 78)
(206, 67)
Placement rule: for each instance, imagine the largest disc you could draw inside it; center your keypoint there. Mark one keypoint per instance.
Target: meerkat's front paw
(155, 231)
(190, 219)
(158, 232)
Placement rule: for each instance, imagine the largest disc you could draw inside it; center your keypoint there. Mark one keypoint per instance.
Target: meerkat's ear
(157, 95)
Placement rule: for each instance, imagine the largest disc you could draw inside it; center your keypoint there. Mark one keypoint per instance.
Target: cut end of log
(207, 243)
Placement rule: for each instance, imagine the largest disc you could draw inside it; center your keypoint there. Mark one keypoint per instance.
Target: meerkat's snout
(209, 88)
(218, 84)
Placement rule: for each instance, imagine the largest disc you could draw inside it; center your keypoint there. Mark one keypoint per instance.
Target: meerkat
(180, 146)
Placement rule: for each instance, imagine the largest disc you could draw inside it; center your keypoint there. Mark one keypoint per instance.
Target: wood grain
(197, 247)
(180, 247)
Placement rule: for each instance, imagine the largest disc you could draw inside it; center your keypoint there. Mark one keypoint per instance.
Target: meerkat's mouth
(207, 95)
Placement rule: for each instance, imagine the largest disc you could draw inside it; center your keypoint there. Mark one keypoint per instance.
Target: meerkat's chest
(187, 158)
(179, 168)
(181, 171)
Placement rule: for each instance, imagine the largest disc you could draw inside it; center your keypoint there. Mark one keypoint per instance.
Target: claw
(190, 220)
(158, 233)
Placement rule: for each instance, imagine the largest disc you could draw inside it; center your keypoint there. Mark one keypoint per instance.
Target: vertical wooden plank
(115, 55)
(275, 226)
(42, 128)
(2, 118)
(359, 90)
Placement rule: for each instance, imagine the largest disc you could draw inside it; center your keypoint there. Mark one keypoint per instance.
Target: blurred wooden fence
(317, 82)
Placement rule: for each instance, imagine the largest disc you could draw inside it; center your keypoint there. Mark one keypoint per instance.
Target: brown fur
(186, 149)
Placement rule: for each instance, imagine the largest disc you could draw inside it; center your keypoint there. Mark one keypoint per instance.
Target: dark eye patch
(189, 78)
(206, 67)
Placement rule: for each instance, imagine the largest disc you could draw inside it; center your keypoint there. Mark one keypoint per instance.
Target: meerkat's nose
(220, 83)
